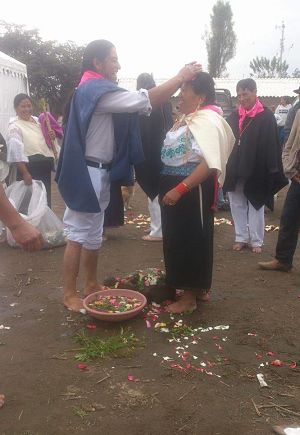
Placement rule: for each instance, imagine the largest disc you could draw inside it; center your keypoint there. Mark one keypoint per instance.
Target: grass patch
(180, 330)
(176, 328)
(120, 345)
(80, 412)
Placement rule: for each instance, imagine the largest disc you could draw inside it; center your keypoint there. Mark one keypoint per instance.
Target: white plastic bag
(31, 203)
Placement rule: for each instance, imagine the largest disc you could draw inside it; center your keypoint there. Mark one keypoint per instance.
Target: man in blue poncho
(101, 143)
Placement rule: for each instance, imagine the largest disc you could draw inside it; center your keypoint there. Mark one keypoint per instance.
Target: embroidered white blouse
(180, 148)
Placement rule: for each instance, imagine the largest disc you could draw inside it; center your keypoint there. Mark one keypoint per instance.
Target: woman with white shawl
(194, 154)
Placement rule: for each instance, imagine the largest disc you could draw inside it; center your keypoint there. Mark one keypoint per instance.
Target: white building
(265, 87)
(13, 80)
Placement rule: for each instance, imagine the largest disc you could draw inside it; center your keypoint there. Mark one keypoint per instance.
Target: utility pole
(282, 27)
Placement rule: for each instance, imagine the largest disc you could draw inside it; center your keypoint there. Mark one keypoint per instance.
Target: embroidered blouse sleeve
(194, 145)
(15, 145)
(125, 102)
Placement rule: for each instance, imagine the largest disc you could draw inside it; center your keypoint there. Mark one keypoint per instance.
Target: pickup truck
(224, 100)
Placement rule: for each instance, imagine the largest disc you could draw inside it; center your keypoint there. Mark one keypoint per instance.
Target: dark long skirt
(114, 214)
(40, 168)
(188, 242)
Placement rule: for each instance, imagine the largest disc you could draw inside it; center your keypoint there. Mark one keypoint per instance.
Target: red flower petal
(270, 353)
(131, 378)
(176, 366)
(185, 355)
(82, 366)
(91, 326)
(277, 363)
(293, 365)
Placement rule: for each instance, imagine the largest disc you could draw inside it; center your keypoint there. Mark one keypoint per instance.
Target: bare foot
(204, 297)
(186, 303)
(256, 249)
(149, 238)
(238, 246)
(2, 400)
(73, 303)
(92, 288)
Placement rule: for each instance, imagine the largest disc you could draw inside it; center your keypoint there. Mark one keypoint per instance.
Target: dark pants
(114, 214)
(289, 226)
(281, 135)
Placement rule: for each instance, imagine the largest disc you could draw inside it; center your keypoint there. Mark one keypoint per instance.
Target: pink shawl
(215, 108)
(54, 126)
(243, 113)
(89, 75)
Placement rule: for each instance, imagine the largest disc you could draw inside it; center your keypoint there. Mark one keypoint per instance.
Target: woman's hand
(52, 134)
(296, 178)
(171, 197)
(189, 71)
(27, 178)
(27, 236)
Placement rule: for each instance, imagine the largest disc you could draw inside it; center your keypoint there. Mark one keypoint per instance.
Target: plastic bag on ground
(31, 203)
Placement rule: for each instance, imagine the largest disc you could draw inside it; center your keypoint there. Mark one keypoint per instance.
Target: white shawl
(214, 137)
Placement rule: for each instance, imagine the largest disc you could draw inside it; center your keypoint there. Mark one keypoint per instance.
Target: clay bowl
(114, 317)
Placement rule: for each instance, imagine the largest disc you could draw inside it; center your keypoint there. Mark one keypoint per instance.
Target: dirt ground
(46, 393)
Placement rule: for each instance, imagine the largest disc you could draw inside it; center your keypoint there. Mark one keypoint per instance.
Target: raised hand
(189, 71)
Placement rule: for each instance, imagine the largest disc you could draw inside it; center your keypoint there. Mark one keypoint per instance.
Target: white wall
(265, 87)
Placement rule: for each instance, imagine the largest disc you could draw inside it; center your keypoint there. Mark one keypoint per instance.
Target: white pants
(249, 223)
(155, 216)
(87, 228)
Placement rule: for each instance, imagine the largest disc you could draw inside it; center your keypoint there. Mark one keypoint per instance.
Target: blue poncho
(72, 175)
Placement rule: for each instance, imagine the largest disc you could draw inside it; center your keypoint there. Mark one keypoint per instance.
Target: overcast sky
(160, 36)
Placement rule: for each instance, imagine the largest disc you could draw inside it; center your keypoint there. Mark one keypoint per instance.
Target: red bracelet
(182, 188)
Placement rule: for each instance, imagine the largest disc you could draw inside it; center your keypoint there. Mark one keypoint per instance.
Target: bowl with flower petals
(114, 305)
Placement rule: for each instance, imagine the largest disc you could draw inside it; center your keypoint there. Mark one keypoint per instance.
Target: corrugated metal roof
(265, 87)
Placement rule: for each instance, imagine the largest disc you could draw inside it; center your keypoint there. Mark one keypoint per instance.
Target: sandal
(149, 238)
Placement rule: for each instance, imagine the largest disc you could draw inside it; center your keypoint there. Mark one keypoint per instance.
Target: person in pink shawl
(254, 170)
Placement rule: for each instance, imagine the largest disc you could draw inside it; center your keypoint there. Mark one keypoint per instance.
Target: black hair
(204, 84)
(249, 84)
(145, 81)
(98, 49)
(19, 98)
(286, 98)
